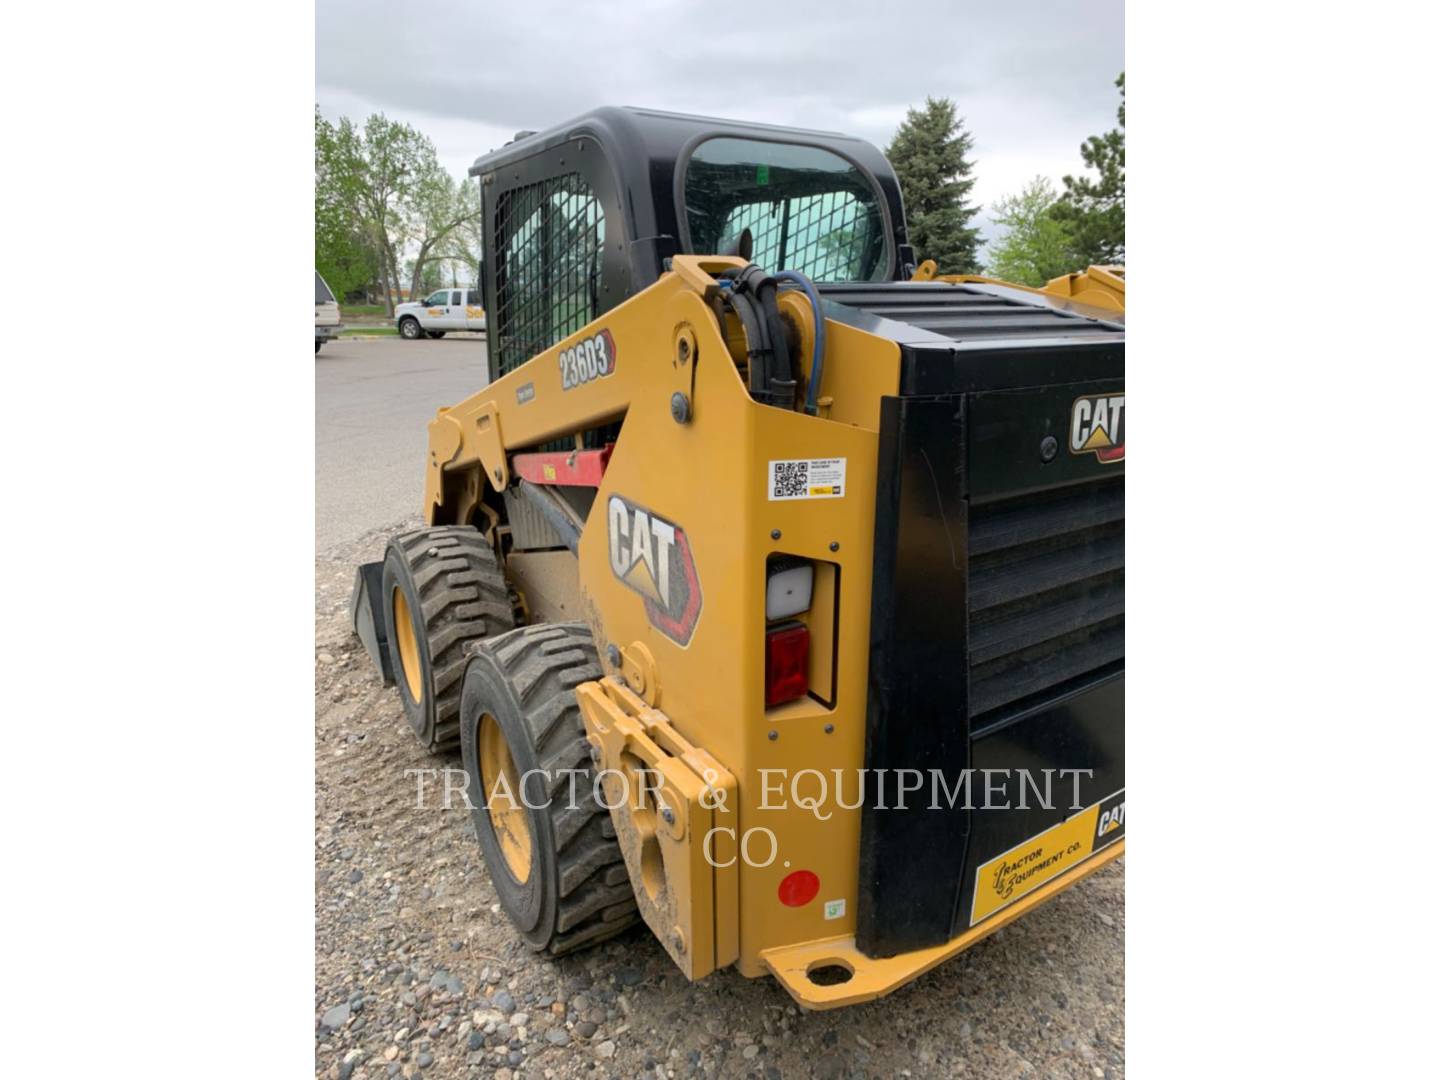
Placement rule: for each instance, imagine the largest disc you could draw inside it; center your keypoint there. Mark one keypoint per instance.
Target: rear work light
(789, 583)
(787, 661)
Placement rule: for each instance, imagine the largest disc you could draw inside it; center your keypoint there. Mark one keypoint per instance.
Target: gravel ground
(417, 972)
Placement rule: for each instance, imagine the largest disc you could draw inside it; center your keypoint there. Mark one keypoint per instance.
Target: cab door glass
(807, 209)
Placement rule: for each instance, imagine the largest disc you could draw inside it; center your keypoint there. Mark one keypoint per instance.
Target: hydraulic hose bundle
(751, 294)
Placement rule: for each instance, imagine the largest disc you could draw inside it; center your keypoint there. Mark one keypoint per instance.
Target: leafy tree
(343, 256)
(1093, 209)
(442, 208)
(383, 205)
(930, 156)
(1036, 245)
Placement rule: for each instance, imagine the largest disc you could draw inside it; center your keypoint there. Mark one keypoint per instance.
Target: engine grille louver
(1046, 593)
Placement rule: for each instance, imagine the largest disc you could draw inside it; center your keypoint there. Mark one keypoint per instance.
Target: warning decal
(1025, 867)
(807, 478)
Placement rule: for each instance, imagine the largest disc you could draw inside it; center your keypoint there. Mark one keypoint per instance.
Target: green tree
(1036, 245)
(1093, 208)
(343, 256)
(373, 173)
(442, 209)
(930, 155)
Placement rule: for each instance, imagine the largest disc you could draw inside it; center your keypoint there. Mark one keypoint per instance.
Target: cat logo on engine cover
(652, 556)
(1097, 426)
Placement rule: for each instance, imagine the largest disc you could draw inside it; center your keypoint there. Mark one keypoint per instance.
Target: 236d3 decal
(588, 360)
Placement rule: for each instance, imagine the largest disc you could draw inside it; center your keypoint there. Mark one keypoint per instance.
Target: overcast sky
(1032, 80)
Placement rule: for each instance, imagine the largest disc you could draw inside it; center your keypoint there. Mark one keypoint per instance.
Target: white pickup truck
(441, 312)
(327, 313)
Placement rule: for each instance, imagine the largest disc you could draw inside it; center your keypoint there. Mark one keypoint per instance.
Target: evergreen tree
(1093, 209)
(930, 155)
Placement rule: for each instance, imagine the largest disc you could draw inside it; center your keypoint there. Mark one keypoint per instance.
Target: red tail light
(787, 662)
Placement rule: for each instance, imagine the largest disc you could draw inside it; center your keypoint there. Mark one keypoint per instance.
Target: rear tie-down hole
(829, 973)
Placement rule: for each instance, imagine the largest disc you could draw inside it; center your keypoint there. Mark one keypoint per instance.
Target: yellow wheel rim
(500, 785)
(409, 645)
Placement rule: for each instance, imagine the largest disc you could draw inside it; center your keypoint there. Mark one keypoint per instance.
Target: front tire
(443, 590)
(556, 867)
(410, 328)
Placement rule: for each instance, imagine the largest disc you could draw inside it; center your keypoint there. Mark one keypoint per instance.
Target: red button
(799, 888)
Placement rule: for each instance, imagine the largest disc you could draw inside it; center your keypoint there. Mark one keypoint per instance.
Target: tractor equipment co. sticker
(1025, 867)
(652, 556)
(812, 478)
(588, 360)
(1097, 426)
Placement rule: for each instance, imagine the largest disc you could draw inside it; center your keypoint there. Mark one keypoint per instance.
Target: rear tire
(558, 869)
(443, 590)
(410, 328)
(318, 343)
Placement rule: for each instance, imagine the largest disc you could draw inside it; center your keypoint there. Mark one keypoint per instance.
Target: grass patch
(369, 331)
(363, 309)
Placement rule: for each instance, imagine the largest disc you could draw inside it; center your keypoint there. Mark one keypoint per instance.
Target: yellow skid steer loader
(773, 589)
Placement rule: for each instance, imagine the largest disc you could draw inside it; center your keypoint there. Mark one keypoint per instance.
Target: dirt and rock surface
(417, 972)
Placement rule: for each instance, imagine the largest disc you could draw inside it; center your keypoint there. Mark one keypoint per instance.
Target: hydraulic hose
(817, 357)
(752, 293)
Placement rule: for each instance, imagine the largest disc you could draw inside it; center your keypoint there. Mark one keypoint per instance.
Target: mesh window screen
(807, 209)
(825, 237)
(551, 241)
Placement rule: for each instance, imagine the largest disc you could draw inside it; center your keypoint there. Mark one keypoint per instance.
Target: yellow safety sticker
(1027, 866)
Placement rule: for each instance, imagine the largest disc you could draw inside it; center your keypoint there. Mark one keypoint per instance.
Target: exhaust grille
(1046, 594)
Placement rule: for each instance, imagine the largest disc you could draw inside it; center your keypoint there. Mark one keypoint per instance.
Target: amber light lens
(787, 661)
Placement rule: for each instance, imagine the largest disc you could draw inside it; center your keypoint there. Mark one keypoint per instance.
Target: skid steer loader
(772, 593)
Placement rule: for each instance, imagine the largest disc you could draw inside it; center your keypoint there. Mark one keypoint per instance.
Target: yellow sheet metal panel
(872, 978)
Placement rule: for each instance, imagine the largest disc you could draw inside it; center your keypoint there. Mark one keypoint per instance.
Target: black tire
(436, 334)
(577, 891)
(318, 343)
(410, 328)
(454, 594)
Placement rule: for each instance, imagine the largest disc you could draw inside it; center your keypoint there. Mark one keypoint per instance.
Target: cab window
(437, 299)
(455, 298)
(551, 239)
(807, 209)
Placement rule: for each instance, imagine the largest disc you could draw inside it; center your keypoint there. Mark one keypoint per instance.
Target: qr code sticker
(807, 478)
(792, 480)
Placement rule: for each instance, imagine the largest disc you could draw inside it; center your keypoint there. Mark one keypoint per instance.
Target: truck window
(551, 240)
(472, 297)
(807, 209)
(455, 298)
(437, 299)
(323, 295)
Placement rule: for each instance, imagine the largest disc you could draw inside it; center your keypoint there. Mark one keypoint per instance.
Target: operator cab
(583, 216)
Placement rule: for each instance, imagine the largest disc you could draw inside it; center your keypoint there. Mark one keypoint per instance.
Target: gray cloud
(1032, 80)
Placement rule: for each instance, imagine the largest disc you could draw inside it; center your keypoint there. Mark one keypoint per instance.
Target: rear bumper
(872, 978)
(325, 333)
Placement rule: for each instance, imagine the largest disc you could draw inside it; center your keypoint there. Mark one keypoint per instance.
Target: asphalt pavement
(373, 400)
